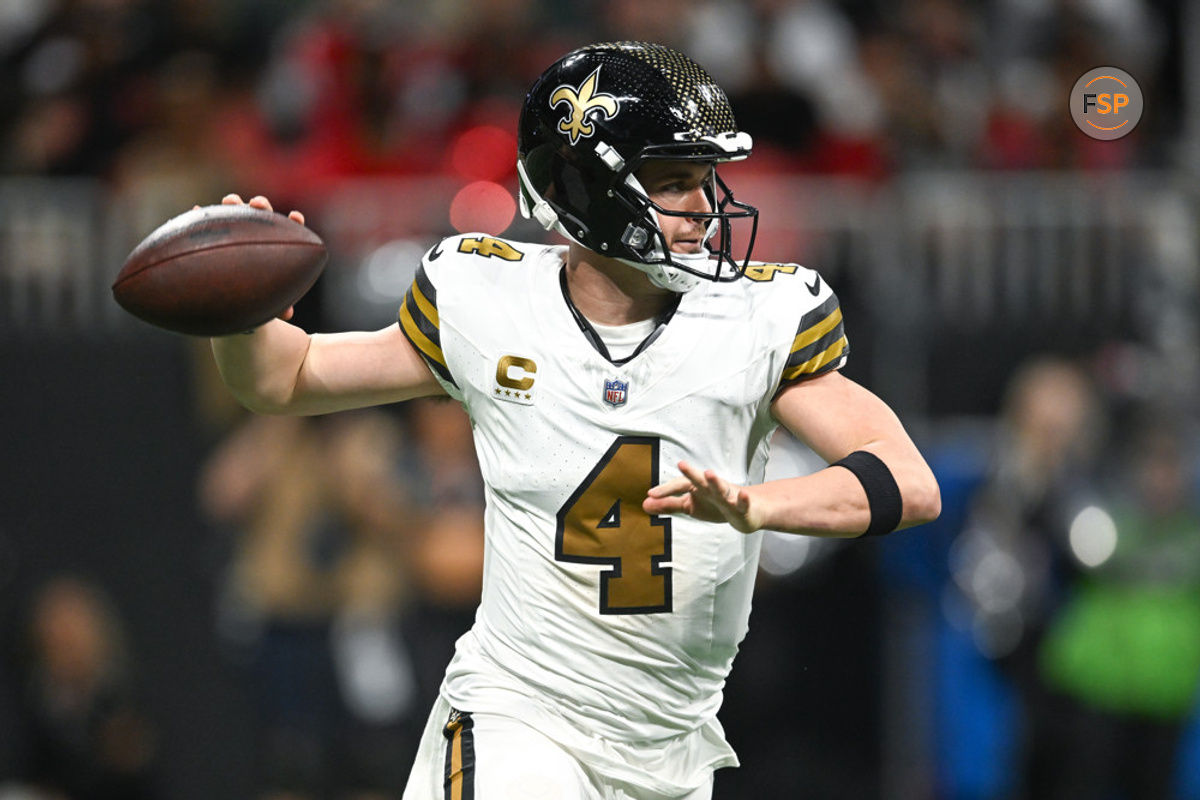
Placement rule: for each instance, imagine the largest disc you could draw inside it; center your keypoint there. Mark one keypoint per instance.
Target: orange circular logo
(1106, 103)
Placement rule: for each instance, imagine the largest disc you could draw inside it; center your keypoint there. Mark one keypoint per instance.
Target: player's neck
(611, 293)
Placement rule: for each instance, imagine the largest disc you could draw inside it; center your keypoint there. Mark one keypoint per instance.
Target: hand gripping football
(219, 270)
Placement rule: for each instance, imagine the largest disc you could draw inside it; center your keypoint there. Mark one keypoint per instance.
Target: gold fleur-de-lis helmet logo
(583, 104)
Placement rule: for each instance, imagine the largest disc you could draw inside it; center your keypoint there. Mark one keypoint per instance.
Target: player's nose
(696, 202)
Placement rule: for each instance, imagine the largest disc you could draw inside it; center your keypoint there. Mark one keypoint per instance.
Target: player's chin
(686, 247)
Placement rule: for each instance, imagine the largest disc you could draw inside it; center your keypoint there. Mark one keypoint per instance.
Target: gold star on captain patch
(497, 390)
(507, 393)
(528, 397)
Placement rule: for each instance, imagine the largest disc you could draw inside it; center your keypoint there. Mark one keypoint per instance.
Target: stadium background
(919, 153)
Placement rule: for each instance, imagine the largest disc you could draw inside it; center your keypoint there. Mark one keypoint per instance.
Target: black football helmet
(592, 119)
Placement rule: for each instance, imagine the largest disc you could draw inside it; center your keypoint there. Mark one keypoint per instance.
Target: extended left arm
(835, 417)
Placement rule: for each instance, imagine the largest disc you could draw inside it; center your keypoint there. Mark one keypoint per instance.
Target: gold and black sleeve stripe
(459, 774)
(420, 323)
(820, 343)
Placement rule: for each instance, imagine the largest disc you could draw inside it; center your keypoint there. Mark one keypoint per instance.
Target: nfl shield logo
(616, 392)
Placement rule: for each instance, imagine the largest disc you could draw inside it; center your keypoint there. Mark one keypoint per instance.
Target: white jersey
(619, 624)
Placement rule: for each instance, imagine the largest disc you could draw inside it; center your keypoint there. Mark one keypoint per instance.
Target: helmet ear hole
(635, 237)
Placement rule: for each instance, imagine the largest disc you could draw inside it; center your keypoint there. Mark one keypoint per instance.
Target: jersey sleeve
(820, 344)
(421, 324)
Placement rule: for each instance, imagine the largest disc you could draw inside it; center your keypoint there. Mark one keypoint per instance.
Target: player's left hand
(704, 495)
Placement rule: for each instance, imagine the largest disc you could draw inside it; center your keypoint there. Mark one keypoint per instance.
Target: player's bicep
(835, 416)
(352, 370)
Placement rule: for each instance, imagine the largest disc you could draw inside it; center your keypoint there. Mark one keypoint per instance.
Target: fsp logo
(1106, 103)
(583, 103)
(515, 377)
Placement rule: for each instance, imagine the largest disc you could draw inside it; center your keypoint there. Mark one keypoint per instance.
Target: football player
(622, 388)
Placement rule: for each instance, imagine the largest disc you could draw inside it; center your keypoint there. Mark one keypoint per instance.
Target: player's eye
(679, 186)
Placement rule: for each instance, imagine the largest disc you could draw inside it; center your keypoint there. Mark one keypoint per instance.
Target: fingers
(680, 493)
(740, 501)
(705, 495)
(712, 485)
(288, 314)
(698, 478)
(258, 201)
(675, 486)
(721, 489)
(678, 503)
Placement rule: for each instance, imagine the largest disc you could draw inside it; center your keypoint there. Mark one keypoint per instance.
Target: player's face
(679, 186)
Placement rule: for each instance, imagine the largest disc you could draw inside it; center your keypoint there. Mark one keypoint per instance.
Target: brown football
(219, 270)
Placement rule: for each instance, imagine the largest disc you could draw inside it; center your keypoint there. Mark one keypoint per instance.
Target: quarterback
(622, 388)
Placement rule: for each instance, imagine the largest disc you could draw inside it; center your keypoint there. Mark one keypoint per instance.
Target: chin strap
(675, 280)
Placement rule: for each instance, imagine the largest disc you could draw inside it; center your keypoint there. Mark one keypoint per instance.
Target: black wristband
(883, 495)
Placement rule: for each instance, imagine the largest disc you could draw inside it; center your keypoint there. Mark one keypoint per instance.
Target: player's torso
(585, 595)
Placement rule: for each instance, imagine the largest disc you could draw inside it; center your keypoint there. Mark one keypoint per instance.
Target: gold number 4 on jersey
(487, 247)
(602, 522)
(767, 272)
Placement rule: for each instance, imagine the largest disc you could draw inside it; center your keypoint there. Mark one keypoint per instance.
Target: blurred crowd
(356, 550)
(287, 97)
(1055, 607)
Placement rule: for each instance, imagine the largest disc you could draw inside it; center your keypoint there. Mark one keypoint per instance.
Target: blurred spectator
(80, 82)
(1120, 662)
(1008, 569)
(361, 87)
(1007, 562)
(447, 549)
(663, 22)
(358, 563)
(1082, 585)
(85, 735)
(313, 596)
(173, 156)
(795, 78)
